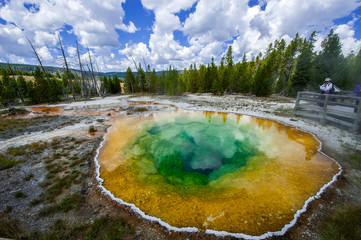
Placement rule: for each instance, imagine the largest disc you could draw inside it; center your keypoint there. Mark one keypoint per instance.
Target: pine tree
(354, 69)
(181, 87)
(171, 81)
(129, 81)
(106, 85)
(22, 85)
(213, 76)
(7, 89)
(193, 78)
(115, 85)
(330, 62)
(162, 84)
(219, 84)
(202, 78)
(229, 83)
(154, 82)
(141, 78)
(263, 80)
(289, 62)
(41, 91)
(302, 76)
(244, 76)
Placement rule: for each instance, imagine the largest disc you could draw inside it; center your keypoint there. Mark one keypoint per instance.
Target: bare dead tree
(67, 68)
(96, 73)
(147, 73)
(92, 73)
(16, 84)
(136, 67)
(92, 85)
(39, 60)
(84, 90)
(62, 87)
(42, 67)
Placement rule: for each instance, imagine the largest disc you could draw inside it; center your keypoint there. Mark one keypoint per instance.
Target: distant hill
(118, 74)
(27, 67)
(53, 70)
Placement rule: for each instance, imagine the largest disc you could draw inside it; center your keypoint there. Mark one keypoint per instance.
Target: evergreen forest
(282, 69)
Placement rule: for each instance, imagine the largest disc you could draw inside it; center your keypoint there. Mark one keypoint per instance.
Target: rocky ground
(48, 187)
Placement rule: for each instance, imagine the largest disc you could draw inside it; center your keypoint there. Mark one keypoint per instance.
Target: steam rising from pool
(216, 171)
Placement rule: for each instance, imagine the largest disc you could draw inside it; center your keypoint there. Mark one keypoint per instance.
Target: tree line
(283, 68)
(45, 87)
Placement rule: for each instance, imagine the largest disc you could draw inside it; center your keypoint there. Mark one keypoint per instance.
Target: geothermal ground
(48, 187)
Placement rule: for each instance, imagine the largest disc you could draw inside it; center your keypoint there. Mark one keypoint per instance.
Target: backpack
(336, 89)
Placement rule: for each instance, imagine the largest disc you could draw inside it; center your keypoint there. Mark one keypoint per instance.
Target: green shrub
(7, 163)
(345, 223)
(92, 129)
(28, 177)
(20, 194)
(355, 159)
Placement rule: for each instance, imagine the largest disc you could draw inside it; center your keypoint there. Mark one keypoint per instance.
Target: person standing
(357, 90)
(327, 87)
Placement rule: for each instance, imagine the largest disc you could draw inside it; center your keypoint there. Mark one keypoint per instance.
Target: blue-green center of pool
(192, 150)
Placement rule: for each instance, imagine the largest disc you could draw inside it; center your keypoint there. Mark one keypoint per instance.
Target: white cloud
(16, 59)
(216, 20)
(72, 52)
(131, 28)
(13, 42)
(171, 6)
(304, 16)
(209, 29)
(164, 49)
(347, 38)
(45, 54)
(94, 22)
(137, 52)
(45, 38)
(285, 18)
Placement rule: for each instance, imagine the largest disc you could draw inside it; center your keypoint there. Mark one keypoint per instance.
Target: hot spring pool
(206, 170)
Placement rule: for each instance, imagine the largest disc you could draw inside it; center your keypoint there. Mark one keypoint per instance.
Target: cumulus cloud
(285, 18)
(217, 20)
(305, 16)
(349, 43)
(165, 50)
(131, 28)
(93, 22)
(138, 52)
(172, 6)
(45, 54)
(72, 52)
(45, 38)
(208, 28)
(13, 42)
(16, 59)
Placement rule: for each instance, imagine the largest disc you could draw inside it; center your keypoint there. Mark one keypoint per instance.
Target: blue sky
(167, 32)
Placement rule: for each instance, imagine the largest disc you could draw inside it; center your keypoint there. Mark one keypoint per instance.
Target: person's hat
(328, 80)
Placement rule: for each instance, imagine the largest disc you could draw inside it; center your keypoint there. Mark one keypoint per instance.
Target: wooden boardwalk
(342, 110)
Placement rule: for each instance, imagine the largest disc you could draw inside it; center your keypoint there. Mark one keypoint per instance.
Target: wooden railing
(340, 109)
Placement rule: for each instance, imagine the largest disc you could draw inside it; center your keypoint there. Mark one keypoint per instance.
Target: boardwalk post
(324, 112)
(297, 100)
(358, 117)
